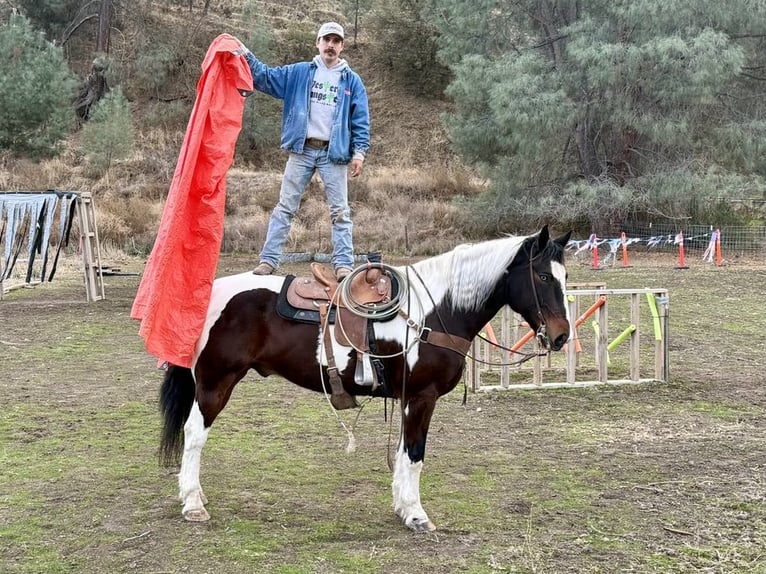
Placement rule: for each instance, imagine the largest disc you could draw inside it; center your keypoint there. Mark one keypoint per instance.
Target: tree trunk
(623, 161)
(94, 86)
(585, 136)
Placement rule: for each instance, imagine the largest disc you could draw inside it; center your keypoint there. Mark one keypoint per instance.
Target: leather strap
(339, 398)
(446, 340)
(332, 369)
(438, 338)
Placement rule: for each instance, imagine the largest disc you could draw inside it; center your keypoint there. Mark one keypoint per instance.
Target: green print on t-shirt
(324, 93)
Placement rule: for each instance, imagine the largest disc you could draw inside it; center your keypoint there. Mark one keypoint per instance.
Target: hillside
(410, 174)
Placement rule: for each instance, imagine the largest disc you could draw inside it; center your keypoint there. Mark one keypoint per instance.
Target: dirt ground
(645, 478)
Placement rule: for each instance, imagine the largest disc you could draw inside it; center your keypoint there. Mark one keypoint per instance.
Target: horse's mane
(467, 275)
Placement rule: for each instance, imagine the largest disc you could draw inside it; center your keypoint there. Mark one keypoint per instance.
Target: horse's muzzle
(554, 334)
(559, 342)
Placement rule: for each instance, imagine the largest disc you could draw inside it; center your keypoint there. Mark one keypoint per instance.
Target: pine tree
(36, 90)
(108, 135)
(606, 93)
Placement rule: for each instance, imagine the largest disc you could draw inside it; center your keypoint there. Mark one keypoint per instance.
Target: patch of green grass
(726, 411)
(745, 506)
(662, 563)
(249, 540)
(23, 538)
(698, 552)
(481, 477)
(567, 489)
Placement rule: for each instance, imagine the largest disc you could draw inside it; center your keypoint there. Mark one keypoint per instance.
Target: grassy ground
(652, 478)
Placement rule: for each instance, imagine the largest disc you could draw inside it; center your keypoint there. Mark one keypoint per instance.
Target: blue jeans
(298, 172)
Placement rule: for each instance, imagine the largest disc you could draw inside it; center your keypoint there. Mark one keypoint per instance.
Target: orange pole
(580, 320)
(595, 252)
(520, 343)
(578, 346)
(718, 258)
(624, 250)
(491, 334)
(590, 310)
(681, 254)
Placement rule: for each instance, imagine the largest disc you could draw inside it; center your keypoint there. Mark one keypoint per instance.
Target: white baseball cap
(330, 28)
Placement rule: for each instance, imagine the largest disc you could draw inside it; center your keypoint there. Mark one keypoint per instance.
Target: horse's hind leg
(416, 417)
(210, 401)
(189, 488)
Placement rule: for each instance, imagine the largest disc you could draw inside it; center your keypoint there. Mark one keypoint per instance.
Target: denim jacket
(292, 83)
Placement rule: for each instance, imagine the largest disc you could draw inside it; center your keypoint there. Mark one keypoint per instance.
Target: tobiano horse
(444, 302)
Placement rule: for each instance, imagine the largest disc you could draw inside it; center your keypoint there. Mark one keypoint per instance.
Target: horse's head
(536, 280)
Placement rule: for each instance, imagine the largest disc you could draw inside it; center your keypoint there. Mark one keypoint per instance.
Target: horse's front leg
(190, 491)
(416, 416)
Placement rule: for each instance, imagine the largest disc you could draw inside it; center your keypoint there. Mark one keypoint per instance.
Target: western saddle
(367, 290)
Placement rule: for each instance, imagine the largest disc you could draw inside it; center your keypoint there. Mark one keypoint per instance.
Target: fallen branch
(147, 533)
(677, 531)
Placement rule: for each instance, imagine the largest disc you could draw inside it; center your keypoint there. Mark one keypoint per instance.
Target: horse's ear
(542, 238)
(564, 239)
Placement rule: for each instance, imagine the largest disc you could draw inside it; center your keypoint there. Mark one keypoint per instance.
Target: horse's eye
(545, 277)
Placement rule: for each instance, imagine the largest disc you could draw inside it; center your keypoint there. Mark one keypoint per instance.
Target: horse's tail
(176, 399)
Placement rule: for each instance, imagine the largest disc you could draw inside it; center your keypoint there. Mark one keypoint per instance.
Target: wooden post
(91, 250)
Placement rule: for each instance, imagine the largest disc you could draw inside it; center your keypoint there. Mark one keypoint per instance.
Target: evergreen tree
(51, 16)
(36, 90)
(606, 94)
(406, 43)
(108, 135)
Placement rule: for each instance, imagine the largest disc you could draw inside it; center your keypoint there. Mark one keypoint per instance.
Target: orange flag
(174, 292)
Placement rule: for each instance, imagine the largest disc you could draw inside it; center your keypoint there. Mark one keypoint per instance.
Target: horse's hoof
(196, 515)
(420, 525)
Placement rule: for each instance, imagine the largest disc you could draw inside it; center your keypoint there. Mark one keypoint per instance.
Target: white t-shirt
(323, 99)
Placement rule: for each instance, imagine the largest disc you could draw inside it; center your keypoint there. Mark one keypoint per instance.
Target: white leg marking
(189, 489)
(406, 491)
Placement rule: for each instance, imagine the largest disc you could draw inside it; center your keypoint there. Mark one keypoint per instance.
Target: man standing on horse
(325, 128)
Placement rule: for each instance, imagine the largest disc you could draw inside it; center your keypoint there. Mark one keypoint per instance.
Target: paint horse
(445, 301)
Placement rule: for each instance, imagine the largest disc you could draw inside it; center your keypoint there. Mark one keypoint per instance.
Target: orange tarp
(174, 293)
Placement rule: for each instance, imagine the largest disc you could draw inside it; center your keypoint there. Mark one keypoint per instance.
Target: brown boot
(263, 269)
(341, 273)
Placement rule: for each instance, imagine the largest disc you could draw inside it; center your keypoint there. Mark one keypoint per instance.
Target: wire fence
(735, 239)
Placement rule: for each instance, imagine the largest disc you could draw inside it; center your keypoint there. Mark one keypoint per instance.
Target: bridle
(541, 335)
